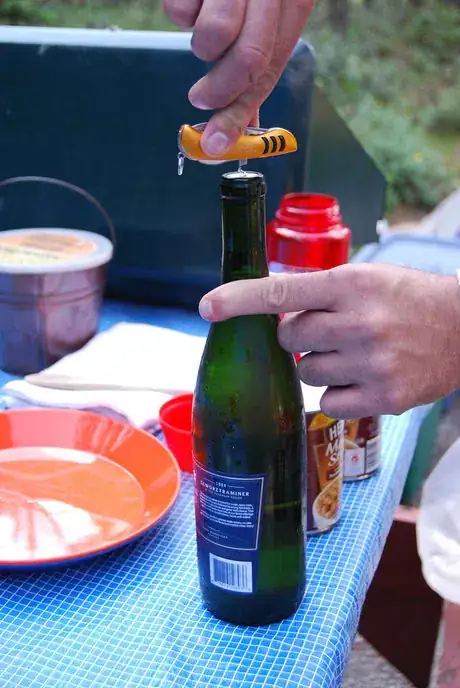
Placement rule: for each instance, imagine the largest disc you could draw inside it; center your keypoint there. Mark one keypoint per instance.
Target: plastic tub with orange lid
(52, 283)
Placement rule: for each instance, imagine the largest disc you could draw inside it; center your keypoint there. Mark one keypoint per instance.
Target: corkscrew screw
(254, 142)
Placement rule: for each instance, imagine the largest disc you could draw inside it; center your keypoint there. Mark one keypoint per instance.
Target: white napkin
(130, 355)
(438, 527)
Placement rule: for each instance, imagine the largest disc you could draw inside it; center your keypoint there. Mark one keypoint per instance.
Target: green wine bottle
(248, 441)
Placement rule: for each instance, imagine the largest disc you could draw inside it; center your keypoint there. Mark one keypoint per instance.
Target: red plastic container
(307, 234)
(176, 423)
(299, 252)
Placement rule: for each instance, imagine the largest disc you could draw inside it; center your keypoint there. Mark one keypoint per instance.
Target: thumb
(274, 294)
(224, 128)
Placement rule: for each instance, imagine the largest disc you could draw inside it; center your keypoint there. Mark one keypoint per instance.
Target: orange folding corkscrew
(253, 143)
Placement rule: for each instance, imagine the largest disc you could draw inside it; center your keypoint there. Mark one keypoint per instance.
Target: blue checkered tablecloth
(134, 618)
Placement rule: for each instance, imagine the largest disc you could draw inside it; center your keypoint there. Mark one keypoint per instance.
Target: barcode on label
(373, 453)
(235, 576)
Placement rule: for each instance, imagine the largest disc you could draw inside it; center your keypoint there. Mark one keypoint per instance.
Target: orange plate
(75, 484)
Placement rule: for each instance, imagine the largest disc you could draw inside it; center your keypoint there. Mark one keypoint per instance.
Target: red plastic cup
(176, 423)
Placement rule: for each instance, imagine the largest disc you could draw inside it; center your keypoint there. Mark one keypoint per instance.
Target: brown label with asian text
(325, 442)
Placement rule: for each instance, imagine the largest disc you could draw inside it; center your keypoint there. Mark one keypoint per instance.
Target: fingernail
(198, 103)
(216, 143)
(195, 98)
(205, 309)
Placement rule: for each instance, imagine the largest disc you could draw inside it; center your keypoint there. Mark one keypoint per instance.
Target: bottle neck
(244, 253)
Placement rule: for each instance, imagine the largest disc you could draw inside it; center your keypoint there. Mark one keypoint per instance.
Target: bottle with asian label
(248, 431)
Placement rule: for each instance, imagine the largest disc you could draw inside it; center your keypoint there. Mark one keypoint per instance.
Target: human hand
(251, 42)
(383, 339)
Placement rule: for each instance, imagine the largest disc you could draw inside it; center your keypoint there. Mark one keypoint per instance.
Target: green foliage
(90, 14)
(416, 173)
(435, 28)
(141, 15)
(445, 116)
(395, 78)
(22, 12)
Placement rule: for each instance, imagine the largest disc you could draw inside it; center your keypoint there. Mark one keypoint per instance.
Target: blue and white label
(228, 517)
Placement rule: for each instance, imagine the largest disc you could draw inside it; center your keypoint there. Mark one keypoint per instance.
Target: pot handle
(71, 187)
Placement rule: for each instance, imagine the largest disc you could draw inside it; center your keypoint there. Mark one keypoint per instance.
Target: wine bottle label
(228, 521)
(362, 447)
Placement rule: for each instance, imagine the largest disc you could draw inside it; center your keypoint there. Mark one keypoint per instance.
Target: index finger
(243, 64)
(274, 294)
(217, 28)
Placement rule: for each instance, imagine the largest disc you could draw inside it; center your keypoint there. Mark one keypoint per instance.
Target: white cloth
(129, 355)
(438, 527)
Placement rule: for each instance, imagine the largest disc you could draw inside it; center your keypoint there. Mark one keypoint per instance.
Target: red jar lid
(309, 212)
